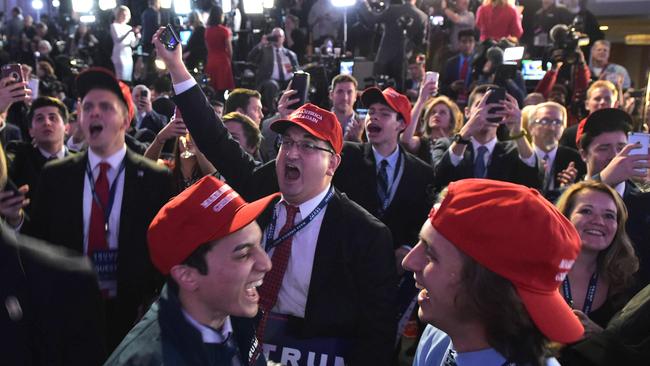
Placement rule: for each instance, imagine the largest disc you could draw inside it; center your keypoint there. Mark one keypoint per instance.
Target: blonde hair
(125, 10)
(455, 115)
(3, 168)
(603, 84)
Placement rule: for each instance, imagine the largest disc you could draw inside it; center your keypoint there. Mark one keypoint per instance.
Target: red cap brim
(552, 315)
(249, 212)
(281, 125)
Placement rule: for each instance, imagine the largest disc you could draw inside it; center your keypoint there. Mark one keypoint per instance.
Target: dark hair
(344, 78)
(239, 98)
(197, 258)
(494, 300)
(216, 103)
(479, 90)
(48, 102)
(467, 33)
(216, 16)
(618, 262)
(614, 125)
(162, 85)
(251, 131)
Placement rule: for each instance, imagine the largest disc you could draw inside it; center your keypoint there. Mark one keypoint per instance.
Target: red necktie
(273, 280)
(463, 69)
(97, 231)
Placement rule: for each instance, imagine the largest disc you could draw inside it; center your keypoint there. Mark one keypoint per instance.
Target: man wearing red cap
(207, 242)
(475, 152)
(333, 281)
(489, 263)
(101, 202)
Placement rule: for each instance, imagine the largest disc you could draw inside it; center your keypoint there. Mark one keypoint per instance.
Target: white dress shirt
(456, 159)
(210, 335)
(292, 298)
(114, 220)
(59, 154)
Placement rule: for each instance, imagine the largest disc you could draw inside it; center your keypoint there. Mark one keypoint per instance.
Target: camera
(566, 40)
(272, 38)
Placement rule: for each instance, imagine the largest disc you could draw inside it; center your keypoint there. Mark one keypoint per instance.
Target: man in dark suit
(339, 280)
(47, 121)
(602, 138)
(275, 66)
(101, 202)
(562, 165)
(457, 77)
(53, 306)
(147, 122)
(474, 152)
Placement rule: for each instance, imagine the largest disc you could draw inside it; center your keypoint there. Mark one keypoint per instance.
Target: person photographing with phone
(475, 152)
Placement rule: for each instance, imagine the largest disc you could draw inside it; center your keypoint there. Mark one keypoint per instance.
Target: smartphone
(272, 38)
(496, 96)
(13, 70)
(644, 140)
(431, 76)
(169, 38)
(300, 83)
(144, 94)
(11, 186)
(362, 113)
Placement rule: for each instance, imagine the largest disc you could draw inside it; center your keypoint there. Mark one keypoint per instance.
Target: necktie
(450, 359)
(479, 164)
(220, 353)
(273, 280)
(382, 183)
(97, 231)
(547, 172)
(278, 61)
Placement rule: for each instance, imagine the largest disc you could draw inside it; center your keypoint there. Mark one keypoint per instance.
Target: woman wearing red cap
(598, 284)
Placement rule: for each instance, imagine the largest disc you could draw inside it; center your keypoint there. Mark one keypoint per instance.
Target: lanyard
(270, 243)
(392, 188)
(111, 193)
(589, 298)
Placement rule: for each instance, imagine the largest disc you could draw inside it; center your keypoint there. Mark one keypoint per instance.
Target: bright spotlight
(166, 4)
(268, 4)
(56, 3)
(82, 6)
(160, 64)
(182, 6)
(107, 4)
(37, 4)
(226, 6)
(253, 7)
(343, 3)
(87, 18)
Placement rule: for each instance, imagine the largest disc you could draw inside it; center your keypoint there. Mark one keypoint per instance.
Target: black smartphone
(496, 96)
(13, 70)
(144, 93)
(169, 38)
(11, 186)
(300, 83)
(272, 38)
(503, 73)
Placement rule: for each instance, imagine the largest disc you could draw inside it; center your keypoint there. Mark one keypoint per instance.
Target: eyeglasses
(304, 147)
(548, 121)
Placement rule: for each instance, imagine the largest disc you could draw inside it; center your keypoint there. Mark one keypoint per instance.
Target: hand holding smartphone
(497, 95)
(644, 140)
(14, 71)
(169, 38)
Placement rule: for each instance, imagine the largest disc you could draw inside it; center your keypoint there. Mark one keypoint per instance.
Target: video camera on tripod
(567, 40)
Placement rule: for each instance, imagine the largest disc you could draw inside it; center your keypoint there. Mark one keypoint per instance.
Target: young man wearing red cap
(101, 202)
(489, 263)
(207, 242)
(602, 139)
(475, 152)
(333, 281)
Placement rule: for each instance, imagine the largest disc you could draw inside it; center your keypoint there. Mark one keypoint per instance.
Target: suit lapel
(129, 196)
(370, 170)
(75, 186)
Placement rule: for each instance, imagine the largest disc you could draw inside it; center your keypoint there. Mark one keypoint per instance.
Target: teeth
(257, 283)
(595, 232)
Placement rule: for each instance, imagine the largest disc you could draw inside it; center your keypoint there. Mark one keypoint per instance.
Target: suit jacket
(564, 156)
(638, 228)
(10, 133)
(264, 57)
(452, 73)
(504, 165)
(357, 177)
(25, 165)
(58, 218)
(353, 284)
(60, 322)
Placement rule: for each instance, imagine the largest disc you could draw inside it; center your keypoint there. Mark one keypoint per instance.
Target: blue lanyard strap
(111, 193)
(270, 243)
(589, 297)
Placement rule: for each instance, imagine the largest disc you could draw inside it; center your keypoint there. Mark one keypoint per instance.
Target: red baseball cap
(206, 211)
(398, 102)
(101, 78)
(516, 233)
(319, 122)
(604, 120)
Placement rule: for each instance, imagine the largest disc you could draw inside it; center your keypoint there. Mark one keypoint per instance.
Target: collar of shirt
(620, 188)
(210, 335)
(541, 153)
(488, 356)
(490, 145)
(59, 154)
(392, 158)
(308, 206)
(114, 160)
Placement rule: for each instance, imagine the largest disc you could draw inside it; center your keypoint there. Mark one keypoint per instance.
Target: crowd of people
(156, 209)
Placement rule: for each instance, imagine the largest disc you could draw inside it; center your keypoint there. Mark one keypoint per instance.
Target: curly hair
(618, 262)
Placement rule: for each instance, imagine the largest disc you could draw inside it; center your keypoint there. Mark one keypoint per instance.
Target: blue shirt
(435, 343)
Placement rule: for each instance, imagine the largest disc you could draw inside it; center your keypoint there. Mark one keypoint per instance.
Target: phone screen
(644, 140)
(300, 83)
(513, 54)
(496, 96)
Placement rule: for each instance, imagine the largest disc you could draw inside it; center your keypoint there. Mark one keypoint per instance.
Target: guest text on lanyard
(589, 298)
(111, 193)
(270, 243)
(393, 186)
